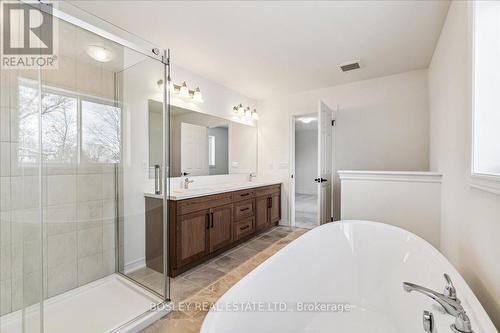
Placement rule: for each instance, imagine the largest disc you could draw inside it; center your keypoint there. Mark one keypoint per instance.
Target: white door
(194, 150)
(325, 153)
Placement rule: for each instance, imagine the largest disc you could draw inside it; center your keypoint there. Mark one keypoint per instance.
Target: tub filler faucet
(448, 300)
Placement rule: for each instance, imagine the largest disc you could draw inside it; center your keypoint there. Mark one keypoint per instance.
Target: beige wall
(382, 124)
(470, 220)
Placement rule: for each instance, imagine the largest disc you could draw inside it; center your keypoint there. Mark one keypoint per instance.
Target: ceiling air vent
(349, 66)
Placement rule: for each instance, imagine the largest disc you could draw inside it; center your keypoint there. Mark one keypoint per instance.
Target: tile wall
(78, 198)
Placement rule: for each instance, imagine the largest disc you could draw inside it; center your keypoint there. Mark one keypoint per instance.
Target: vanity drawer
(243, 195)
(267, 190)
(244, 228)
(196, 204)
(243, 209)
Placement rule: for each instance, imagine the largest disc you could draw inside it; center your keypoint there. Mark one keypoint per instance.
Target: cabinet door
(261, 212)
(192, 237)
(221, 227)
(275, 210)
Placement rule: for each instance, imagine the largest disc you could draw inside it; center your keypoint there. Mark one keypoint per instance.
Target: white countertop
(204, 190)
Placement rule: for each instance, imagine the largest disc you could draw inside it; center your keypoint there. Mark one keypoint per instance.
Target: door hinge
(333, 122)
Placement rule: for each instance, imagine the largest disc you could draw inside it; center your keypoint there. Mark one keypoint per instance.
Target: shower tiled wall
(78, 200)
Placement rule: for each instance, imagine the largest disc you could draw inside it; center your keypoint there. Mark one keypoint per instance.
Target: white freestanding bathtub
(344, 277)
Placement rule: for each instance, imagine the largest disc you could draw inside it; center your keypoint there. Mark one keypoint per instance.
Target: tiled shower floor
(99, 306)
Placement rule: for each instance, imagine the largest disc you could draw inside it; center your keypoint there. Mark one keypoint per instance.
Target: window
(486, 118)
(211, 150)
(67, 116)
(100, 132)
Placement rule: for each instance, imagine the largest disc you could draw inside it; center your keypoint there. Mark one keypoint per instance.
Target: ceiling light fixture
(99, 53)
(307, 120)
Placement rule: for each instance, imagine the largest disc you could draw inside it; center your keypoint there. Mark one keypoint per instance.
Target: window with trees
(75, 128)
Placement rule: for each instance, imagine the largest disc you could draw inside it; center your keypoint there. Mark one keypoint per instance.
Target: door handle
(211, 219)
(320, 180)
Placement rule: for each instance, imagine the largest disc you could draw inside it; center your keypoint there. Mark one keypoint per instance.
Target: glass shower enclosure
(73, 141)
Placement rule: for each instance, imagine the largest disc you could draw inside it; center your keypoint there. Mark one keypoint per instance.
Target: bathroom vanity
(202, 223)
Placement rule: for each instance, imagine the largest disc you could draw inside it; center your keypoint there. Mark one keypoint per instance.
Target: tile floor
(207, 282)
(306, 210)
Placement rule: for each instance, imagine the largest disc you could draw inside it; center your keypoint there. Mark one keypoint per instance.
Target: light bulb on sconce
(171, 84)
(248, 112)
(184, 91)
(255, 115)
(159, 83)
(197, 95)
(241, 110)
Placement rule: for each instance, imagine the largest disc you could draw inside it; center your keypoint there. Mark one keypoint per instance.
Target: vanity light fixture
(183, 90)
(99, 53)
(245, 112)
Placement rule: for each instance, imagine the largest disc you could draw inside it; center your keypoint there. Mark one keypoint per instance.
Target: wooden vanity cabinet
(275, 208)
(267, 206)
(192, 235)
(261, 213)
(204, 227)
(221, 227)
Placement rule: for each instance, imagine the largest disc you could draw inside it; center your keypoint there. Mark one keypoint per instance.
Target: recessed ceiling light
(99, 53)
(306, 120)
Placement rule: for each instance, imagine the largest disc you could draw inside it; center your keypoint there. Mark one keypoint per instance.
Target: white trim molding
(485, 183)
(396, 176)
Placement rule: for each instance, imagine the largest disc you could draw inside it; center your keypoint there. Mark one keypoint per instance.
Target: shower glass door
(142, 217)
(73, 141)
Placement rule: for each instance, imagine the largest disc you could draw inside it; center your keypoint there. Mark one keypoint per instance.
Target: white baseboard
(134, 265)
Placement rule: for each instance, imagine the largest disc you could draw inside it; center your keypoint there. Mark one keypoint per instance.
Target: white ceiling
(268, 48)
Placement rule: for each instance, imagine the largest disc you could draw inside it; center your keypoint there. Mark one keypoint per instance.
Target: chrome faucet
(252, 175)
(448, 300)
(187, 182)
